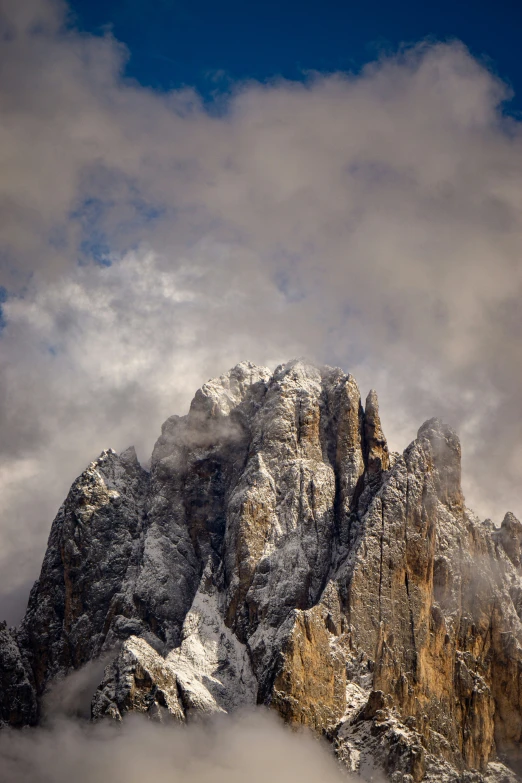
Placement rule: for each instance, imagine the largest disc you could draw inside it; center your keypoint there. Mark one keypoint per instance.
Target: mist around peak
(252, 745)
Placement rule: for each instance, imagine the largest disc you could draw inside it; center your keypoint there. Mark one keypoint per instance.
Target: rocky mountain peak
(221, 396)
(444, 446)
(130, 457)
(277, 554)
(510, 537)
(377, 456)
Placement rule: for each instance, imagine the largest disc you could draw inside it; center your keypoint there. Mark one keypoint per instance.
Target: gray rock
(18, 706)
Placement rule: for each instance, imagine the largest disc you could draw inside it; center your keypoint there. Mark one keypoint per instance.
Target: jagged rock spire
(510, 536)
(443, 445)
(376, 447)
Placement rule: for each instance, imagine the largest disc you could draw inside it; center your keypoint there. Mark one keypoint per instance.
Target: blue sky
(207, 44)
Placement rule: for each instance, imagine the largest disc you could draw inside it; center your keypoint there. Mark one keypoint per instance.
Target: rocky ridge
(277, 553)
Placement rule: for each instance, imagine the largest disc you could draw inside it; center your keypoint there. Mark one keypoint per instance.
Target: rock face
(277, 553)
(17, 693)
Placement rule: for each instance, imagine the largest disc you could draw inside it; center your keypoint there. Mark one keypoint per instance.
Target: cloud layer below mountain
(254, 747)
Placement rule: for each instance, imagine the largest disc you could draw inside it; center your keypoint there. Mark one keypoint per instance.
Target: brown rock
(310, 686)
(376, 448)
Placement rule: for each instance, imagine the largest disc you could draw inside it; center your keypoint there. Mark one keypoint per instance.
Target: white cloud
(254, 746)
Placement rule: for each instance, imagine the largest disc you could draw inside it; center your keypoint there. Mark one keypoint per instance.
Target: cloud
(148, 243)
(253, 746)
(70, 698)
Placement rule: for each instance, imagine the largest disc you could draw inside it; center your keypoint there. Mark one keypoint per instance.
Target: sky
(185, 189)
(208, 45)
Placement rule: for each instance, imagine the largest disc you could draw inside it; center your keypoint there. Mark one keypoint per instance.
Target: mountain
(277, 553)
